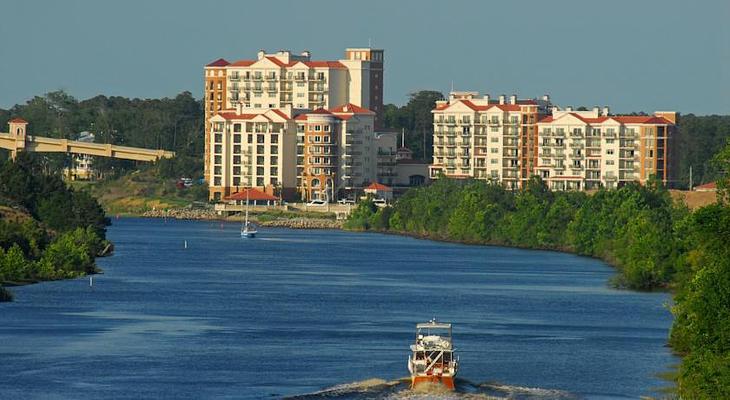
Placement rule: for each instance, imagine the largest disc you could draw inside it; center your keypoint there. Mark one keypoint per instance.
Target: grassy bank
(140, 191)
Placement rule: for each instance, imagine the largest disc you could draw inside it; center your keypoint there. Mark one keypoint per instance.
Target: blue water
(302, 311)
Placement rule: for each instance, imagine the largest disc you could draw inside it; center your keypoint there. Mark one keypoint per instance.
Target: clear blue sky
(631, 55)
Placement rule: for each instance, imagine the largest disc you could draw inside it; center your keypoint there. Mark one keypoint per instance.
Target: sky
(639, 55)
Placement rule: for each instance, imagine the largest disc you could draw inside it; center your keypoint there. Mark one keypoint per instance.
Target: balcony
(300, 78)
(234, 78)
(559, 134)
(271, 77)
(610, 178)
(258, 78)
(559, 155)
(609, 134)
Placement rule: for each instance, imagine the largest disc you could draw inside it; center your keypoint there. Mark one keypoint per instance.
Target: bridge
(16, 141)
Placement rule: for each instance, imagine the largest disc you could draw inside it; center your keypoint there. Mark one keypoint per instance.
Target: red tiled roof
(707, 186)
(280, 113)
(242, 63)
(319, 111)
(470, 104)
(253, 195)
(18, 120)
(277, 61)
(218, 63)
(379, 187)
(301, 117)
(234, 116)
(324, 64)
(310, 64)
(351, 109)
(624, 119)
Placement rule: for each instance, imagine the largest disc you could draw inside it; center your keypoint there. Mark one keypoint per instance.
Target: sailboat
(247, 229)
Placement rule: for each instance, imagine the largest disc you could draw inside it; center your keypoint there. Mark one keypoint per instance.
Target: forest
(653, 242)
(47, 230)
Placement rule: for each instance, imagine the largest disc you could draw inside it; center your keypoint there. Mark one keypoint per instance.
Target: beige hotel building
(508, 140)
(264, 95)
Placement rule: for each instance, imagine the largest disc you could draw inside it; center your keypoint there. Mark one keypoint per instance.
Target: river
(325, 314)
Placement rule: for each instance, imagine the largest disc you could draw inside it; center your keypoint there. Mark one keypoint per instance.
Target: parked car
(346, 201)
(317, 202)
(380, 202)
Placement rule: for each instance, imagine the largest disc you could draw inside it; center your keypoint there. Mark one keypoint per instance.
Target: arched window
(315, 182)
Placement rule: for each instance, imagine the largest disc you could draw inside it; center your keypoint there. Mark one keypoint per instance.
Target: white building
(284, 80)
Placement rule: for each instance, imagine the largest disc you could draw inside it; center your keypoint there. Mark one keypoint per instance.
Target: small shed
(380, 191)
(255, 198)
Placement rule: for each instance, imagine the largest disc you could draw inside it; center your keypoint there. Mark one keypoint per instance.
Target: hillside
(142, 191)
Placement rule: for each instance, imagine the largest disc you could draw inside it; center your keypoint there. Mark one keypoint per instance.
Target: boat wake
(375, 388)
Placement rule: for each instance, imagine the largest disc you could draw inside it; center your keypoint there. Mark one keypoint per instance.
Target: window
(326, 128)
(260, 138)
(236, 181)
(236, 127)
(609, 152)
(218, 159)
(260, 181)
(274, 171)
(259, 170)
(218, 138)
(609, 162)
(494, 150)
(218, 149)
(274, 160)
(236, 138)
(236, 149)
(317, 128)
(259, 160)
(274, 149)
(236, 159)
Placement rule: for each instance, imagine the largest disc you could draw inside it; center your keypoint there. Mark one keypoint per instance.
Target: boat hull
(446, 381)
(248, 235)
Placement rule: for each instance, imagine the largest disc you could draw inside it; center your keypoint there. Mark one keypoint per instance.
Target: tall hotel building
(508, 140)
(484, 138)
(261, 98)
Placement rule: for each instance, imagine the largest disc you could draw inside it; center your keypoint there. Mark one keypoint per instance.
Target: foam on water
(376, 388)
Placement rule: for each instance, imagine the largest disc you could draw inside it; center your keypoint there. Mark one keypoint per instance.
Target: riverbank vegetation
(47, 230)
(651, 240)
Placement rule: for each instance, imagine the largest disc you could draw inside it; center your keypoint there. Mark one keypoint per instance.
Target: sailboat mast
(247, 192)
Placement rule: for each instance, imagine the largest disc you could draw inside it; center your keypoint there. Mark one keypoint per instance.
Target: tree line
(47, 230)
(169, 123)
(177, 124)
(651, 240)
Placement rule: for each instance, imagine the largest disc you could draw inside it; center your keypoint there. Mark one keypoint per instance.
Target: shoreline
(211, 215)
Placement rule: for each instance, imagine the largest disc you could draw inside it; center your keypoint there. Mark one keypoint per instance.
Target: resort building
(335, 152)
(592, 149)
(485, 138)
(508, 140)
(288, 81)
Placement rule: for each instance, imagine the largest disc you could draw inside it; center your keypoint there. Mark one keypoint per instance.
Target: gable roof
(475, 107)
(218, 63)
(253, 195)
(351, 109)
(379, 187)
(18, 120)
(623, 119)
